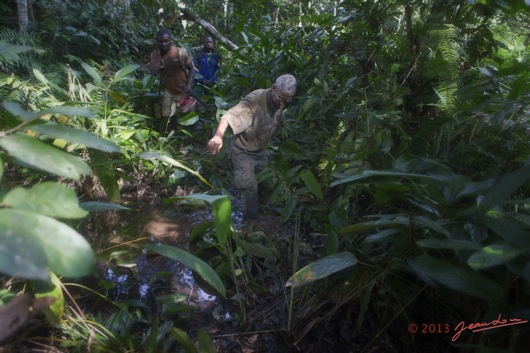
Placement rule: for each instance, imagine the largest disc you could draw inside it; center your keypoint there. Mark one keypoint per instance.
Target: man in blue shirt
(207, 62)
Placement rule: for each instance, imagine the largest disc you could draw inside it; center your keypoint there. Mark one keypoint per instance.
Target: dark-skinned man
(176, 71)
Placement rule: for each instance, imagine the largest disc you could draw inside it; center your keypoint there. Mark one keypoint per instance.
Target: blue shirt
(206, 66)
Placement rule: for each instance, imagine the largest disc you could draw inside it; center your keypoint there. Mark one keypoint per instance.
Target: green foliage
(192, 262)
(405, 148)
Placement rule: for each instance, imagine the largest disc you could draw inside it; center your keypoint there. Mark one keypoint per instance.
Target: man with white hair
(253, 121)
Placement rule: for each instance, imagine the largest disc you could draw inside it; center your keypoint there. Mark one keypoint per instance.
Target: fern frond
(448, 57)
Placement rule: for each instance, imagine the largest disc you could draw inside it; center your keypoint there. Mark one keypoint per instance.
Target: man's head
(163, 40)
(283, 89)
(207, 41)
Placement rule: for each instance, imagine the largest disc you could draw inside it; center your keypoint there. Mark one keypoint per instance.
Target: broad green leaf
(493, 255)
(122, 73)
(36, 244)
(171, 161)
(49, 199)
(189, 119)
(86, 138)
(69, 111)
(54, 313)
(16, 110)
(506, 186)
(310, 103)
(205, 342)
(453, 244)
(436, 226)
(222, 211)
(44, 157)
(255, 249)
(383, 235)
(322, 268)
(106, 174)
(1, 169)
(96, 206)
(92, 72)
(459, 278)
(183, 340)
(312, 184)
(383, 221)
(20, 255)
(510, 229)
(40, 76)
(192, 262)
(388, 175)
(293, 151)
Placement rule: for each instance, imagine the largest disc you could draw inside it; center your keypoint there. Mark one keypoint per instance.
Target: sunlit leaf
(33, 244)
(171, 161)
(44, 157)
(493, 255)
(48, 198)
(322, 268)
(86, 138)
(54, 313)
(192, 262)
(459, 278)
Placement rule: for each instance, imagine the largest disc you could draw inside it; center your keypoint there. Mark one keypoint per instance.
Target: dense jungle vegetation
(399, 180)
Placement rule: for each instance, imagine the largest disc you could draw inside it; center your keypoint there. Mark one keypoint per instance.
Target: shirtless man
(176, 74)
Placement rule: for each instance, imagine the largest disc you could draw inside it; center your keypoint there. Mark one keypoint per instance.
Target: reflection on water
(149, 274)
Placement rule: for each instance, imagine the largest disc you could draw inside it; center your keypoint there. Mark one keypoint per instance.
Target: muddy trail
(257, 314)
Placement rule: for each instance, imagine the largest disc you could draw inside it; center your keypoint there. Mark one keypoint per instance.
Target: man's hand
(215, 144)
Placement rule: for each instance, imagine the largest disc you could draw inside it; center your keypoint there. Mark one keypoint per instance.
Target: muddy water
(135, 274)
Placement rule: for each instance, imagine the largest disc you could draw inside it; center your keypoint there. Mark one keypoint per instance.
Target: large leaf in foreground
(192, 262)
(75, 136)
(31, 245)
(49, 199)
(44, 157)
(322, 268)
(459, 278)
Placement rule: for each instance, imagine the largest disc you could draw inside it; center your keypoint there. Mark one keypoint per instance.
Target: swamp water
(162, 287)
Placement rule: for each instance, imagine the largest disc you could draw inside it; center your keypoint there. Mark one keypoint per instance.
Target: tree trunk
(23, 17)
(209, 28)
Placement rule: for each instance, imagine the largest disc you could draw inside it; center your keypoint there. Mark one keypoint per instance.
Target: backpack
(181, 52)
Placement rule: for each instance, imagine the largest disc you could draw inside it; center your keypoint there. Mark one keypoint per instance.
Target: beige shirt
(254, 120)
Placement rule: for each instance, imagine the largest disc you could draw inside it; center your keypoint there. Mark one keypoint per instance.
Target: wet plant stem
(296, 250)
(231, 260)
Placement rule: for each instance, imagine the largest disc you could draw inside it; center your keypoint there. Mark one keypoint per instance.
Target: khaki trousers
(246, 165)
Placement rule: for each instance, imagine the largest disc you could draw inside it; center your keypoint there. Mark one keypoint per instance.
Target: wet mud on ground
(131, 273)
